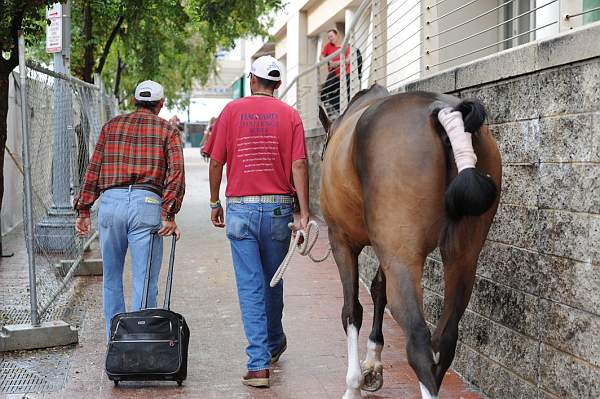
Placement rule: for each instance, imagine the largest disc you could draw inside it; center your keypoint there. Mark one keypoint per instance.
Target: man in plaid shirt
(137, 166)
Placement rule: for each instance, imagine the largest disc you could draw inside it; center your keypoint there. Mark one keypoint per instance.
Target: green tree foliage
(179, 41)
(159, 43)
(171, 41)
(224, 21)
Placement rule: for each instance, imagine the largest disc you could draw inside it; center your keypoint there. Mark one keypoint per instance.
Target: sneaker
(275, 356)
(259, 379)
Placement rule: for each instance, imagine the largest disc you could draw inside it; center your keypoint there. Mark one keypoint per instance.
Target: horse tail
(471, 192)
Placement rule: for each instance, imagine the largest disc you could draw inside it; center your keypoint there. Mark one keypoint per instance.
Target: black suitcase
(150, 344)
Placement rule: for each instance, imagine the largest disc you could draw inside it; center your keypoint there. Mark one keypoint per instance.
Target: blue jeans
(125, 219)
(259, 237)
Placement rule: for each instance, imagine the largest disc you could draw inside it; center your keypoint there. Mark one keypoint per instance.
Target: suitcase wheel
(179, 382)
(116, 382)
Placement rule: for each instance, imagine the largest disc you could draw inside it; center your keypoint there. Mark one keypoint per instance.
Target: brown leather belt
(147, 187)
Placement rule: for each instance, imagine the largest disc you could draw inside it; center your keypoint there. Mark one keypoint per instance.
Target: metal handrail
(359, 13)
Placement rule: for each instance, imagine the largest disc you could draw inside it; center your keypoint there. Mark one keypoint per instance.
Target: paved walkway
(314, 365)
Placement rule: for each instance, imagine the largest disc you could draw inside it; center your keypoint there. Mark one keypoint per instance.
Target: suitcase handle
(167, 303)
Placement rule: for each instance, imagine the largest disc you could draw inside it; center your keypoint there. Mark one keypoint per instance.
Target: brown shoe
(257, 379)
(275, 356)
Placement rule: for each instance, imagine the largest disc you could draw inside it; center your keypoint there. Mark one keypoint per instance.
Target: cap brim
(271, 78)
(148, 99)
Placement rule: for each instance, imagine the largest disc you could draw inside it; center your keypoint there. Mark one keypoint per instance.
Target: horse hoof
(373, 379)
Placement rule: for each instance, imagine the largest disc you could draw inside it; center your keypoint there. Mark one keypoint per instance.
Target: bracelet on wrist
(215, 205)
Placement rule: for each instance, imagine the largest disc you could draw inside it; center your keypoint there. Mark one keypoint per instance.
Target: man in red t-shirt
(330, 92)
(261, 139)
(334, 43)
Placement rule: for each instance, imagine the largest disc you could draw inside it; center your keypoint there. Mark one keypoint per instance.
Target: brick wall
(532, 329)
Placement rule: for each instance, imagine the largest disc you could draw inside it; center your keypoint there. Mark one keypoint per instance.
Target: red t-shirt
(258, 137)
(331, 48)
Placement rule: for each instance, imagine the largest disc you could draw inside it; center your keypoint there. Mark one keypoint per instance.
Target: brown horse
(389, 180)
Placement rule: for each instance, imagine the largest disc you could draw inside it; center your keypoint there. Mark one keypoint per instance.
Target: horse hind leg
(346, 258)
(372, 366)
(405, 298)
(459, 277)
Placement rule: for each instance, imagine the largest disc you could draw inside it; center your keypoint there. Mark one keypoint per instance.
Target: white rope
(303, 243)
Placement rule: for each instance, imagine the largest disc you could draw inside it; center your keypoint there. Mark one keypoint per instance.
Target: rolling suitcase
(150, 344)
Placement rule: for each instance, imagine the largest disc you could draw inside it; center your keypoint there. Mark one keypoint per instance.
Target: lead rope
(309, 236)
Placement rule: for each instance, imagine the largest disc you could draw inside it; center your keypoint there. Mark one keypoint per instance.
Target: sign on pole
(54, 31)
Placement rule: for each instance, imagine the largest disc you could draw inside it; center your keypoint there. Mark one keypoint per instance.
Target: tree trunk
(120, 67)
(4, 81)
(109, 43)
(88, 54)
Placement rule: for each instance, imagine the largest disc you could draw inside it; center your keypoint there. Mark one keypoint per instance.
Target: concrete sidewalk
(314, 365)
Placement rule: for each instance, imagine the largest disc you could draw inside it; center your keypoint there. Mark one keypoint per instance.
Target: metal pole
(61, 160)
(343, 99)
(54, 233)
(103, 118)
(379, 64)
(429, 38)
(27, 183)
(566, 8)
(66, 24)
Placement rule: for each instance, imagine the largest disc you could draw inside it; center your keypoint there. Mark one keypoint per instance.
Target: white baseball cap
(264, 65)
(149, 90)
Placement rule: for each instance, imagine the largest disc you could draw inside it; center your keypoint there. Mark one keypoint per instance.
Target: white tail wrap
(309, 239)
(462, 145)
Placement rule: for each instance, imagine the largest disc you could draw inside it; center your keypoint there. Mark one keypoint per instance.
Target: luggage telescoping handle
(167, 303)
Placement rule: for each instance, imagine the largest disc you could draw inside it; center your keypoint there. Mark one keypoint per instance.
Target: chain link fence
(64, 116)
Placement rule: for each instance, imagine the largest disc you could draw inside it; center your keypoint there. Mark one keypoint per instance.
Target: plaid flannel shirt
(136, 148)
